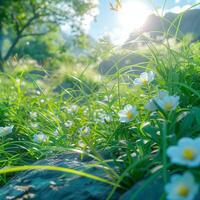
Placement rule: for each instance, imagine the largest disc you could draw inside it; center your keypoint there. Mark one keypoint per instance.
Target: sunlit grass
(85, 116)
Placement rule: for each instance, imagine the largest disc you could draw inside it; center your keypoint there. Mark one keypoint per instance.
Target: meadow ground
(148, 123)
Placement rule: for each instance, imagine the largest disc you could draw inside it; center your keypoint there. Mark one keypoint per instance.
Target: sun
(133, 14)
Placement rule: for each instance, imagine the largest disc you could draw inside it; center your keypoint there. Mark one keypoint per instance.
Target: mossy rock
(54, 185)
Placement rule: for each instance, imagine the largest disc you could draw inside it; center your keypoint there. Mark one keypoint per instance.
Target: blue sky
(107, 21)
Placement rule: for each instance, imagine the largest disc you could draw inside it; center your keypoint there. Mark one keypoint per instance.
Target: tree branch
(19, 34)
(34, 34)
(28, 23)
(16, 23)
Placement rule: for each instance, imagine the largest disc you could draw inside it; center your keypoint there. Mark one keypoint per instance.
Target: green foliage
(76, 111)
(33, 18)
(40, 49)
(78, 86)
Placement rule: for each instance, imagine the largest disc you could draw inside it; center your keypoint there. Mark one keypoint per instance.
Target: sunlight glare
(131, 17)
(133, 14)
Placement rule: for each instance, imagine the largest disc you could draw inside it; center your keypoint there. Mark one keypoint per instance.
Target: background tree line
(21, 19)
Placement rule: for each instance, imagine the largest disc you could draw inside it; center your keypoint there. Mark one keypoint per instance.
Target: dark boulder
(147, 191)
(54, 185)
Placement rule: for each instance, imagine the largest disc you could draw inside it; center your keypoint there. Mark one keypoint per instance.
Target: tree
(23, 18)
(40, 49)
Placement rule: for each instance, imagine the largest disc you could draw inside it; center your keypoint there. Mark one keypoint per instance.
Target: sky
(118, 25)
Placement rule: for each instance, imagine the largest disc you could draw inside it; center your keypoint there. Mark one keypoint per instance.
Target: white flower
(107, 98)
(37, 92)
(40, 137)
(84, 131)
(34, 125)
(164, 101)
(68, 124)
(128, 113)
(181, 187)
(187, 152)
(168, 103)
(81, 144)
(42, 100)
(104, 118)
(73, 108)
(33, 115)
(85, 112)
(56, 133)
(23, 83)
(5, 130)
(162, 94)
(151, 105)
(18, 80)
(144, 79)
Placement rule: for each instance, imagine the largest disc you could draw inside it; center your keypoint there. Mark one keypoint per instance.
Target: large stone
(150, 191)
(54, 185)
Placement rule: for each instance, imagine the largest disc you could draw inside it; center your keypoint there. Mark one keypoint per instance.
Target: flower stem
(164, 149)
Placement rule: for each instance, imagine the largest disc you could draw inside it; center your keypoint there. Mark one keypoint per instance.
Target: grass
(137, 149)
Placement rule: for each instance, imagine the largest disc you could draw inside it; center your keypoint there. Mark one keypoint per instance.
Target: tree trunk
(1, 66)
(10, 50)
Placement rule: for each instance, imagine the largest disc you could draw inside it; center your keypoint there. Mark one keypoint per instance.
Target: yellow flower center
(129, 115)
(183, 191)
(168, 106)
(188, 154)
(144, 81)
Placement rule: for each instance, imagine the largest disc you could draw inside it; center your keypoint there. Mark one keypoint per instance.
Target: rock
(109, 67)
(153, 191)
(156, 26)
(54, 185)
(35, 75)
(76, 86)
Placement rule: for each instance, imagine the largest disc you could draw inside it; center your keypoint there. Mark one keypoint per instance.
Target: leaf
(187, 122)
(196, 112)
(54, 168)
(151, 130)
